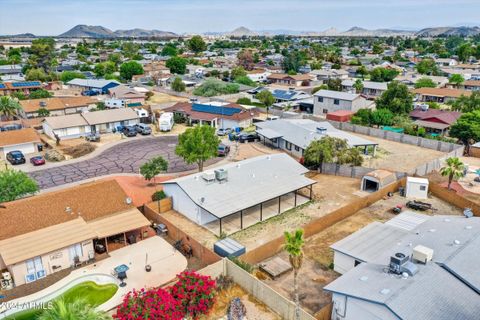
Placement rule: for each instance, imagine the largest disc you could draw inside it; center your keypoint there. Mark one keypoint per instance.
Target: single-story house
(25, 87)
(79, 125)
(323, 75)
(297, 80)
(401, 269)
(446, 62)
(434, 120)
(290, 95)
(57, 106)
(215, 114)
(410, 78)
(237, 195)
(258, 75)
(470, 85)
(54, 231)
(295, 135)
(24, 140)
(371, 89)
(326, 101)
(440, 95)
(127, 94)
(100, 86)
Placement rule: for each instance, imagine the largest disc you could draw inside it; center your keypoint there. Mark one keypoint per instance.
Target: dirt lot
(159, 98)
(329, 193)
(242, 151)
(389, 153)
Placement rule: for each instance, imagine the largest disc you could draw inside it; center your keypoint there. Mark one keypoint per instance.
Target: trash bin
(401, 190)
(40, 147)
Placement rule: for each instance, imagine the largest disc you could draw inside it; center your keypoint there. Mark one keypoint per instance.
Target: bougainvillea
(149, 304)
(195, 292)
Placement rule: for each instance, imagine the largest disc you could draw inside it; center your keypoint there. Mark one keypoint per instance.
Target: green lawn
(92, 293)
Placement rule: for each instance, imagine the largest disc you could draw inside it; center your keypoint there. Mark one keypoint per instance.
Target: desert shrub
(79, 150)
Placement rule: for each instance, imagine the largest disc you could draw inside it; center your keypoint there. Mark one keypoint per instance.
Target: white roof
(367, 84)
(250, 182)
(336, 95)
(417, 180)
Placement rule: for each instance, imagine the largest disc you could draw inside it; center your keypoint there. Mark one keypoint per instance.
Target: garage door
(25, 148)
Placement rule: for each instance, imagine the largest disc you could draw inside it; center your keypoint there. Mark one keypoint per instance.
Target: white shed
(416, 188)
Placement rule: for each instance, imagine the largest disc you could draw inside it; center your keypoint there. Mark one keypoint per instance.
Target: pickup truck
(93, 137)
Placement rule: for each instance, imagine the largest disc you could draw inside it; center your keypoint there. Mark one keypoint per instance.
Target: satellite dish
(128, 200)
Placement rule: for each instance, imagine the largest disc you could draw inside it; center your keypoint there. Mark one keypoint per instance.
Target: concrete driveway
(126, 157)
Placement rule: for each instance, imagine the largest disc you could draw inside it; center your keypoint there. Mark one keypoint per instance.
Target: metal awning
(433, 125)
(269, 133)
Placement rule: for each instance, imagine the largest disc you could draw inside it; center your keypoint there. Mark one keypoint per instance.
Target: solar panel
(26, 84)
(2, 86)
(227, 111)
(283, 94)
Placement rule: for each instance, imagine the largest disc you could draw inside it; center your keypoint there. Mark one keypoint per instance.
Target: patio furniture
(161, 229)
(76, 262)
(122, 276)
(91, 256)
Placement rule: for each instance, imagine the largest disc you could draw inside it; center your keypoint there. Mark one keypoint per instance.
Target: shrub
(215, 87)
(149, 304)
(195, 292)
(158, 195)
(224, 282)
(242, 264)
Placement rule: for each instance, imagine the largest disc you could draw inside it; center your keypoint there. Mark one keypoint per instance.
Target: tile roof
(442, 92)
(448, 117)
(282, 76)
(90, 201)
(14, 137)
(56, 103)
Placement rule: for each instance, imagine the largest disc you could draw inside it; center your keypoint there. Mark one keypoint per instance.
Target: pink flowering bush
(194, 292)
(149, 304)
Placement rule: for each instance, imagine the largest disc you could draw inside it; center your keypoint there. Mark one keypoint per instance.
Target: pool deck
(165, 261)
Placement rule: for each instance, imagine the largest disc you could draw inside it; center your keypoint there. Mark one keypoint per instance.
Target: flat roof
(250, 182)
(301, 132)
(336, 95)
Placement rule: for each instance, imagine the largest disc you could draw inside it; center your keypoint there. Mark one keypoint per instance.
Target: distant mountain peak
(242, 31)
(86, 31)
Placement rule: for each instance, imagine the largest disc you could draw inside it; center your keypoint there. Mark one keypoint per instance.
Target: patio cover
(433, 125)
(269, 133)
(118, 223)
(36, 243)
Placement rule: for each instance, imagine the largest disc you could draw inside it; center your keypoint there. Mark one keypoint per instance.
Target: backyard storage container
(340, 115)
(416, 188)
(228, 248)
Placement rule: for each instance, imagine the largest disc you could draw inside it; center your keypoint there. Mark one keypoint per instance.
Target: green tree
(467, 129)
(214, 87)
(467, 103)
(362, 71)
(178, 85)
(245, 81)
(383, 74)
(43, 112)
(169, 50)
(67, 76)
(427, 66)
(177, 65)
(382, 117)
(293, 60)
(294, 247)
(116, 58)
(36, 74)
(266, 98)
(40, 94)
(425, 83)
(77, 310)
(9, 107)
(397, 98)
(358, 85)
(464, 52)
(42, 52)
(245, 59)
(153, 167)
(196, 44)
(362, 117)
(453, 170)
(334, 84)
(238, 72)
(103, 68)
(197, 145)
(15, 184)
(129, 69)
(456, 79)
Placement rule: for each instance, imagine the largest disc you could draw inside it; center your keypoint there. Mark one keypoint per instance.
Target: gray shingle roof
(336, 95)
(301, 132)
(250, 182)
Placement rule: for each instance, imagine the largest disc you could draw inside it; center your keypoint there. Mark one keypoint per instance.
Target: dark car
(16, 157)
(223, 150)
(37, 161)
(90, 93)
(248, 137)
(130, 131)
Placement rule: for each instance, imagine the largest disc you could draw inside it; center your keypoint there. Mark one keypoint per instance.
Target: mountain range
(84, 31)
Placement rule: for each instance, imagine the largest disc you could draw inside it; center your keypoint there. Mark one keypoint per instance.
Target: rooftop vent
(422, 254)
(399, 263)
(208, 176)
(221, 175)
(68, 210)
(128, 200)
(322, 130)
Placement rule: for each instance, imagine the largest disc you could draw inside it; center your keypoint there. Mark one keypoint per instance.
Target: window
(288, 145)
(75, 251)
(35, 269)
(336, 102)
(325, 110)
(297, 148)
(423, 188)
(320, 99)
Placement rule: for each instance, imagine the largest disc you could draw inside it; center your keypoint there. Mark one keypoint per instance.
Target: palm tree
(453, 169)
(77, 310)
(8, 106)
(294, 246)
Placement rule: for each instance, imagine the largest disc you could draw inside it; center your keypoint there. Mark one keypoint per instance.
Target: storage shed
(228, 248)
(416, 188)
(377, 179)
(340, 115)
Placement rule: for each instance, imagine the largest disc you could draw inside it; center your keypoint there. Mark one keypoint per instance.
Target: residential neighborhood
(247, 160)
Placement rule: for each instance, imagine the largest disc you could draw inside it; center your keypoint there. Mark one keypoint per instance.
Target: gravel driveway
(126, 157)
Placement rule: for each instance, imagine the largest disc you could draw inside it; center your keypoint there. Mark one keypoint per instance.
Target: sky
(52, 17)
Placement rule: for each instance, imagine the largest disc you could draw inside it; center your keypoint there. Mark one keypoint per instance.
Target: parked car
(129, 131)
(248, 137)
(37, 160)
(223, 131)
(223, 150)
(93, 137)
(143, 129)
(16, 157)
(90, 93)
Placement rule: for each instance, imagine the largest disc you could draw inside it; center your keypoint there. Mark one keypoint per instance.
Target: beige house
(56, 106)
(54, 231)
